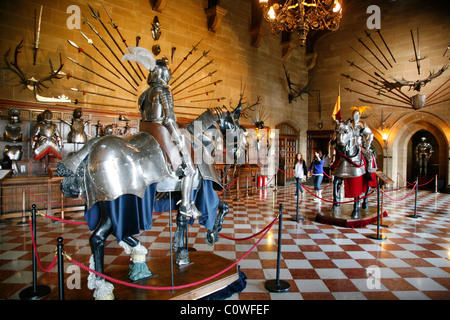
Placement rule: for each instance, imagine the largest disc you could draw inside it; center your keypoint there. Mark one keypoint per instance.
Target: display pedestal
(204, 265)
(341, 216)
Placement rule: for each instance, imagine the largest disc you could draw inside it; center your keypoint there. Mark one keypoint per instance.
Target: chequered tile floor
(319, 261)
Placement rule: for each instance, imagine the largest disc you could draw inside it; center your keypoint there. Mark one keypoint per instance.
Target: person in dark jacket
(316, 169)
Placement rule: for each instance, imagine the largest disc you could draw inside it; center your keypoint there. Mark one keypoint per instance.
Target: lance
(196, 95)
(99, 104)
(440, 95)
(99, 75)
(367, 60)
(205, 53)
(194, 48)
(362, 42)
(376, 46)
(204, 66)
(397, 89)
(352, 64)
(206, 85)
(110, 49)
(213, 99)
(191, 107)
(384, 104)
(385, 44)
(115, 68)
(350, 90)
(432, 94)
(89, 56)
(362, 82)
(96, 15)
(195, 82)
(68, 75)
(187, 113)
(100, 94)
(138, 39)
(38, 34)
(115, 26)
(377, 89)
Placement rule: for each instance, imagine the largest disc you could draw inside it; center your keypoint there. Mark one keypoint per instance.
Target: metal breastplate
(151, 106)
(13, 133)
(77, 134)
(13, 152)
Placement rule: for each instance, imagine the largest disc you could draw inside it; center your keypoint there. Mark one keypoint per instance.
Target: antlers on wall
(30, 83)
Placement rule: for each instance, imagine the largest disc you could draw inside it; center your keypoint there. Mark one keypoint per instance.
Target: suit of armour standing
(156, 105)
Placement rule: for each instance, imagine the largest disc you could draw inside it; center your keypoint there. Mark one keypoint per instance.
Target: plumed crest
(142, 56)
(361, 109)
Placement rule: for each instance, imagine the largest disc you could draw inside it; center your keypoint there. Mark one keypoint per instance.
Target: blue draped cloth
(130, 214)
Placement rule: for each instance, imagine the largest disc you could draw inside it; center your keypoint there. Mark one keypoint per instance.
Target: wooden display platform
(204, 265)
(341, 216)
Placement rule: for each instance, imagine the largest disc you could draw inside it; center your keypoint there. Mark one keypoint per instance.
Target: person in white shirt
(300, 172)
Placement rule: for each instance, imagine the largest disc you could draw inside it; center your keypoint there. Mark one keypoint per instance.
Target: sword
(115, 26)
(100, 94)
(204, 66)
(416, 51)
(99, 51)
(99, 75)
(194, 48)
(110, 49)
(38, 34)
(379, 33)
(68, 76)
(205, 53)
(96, 15)
(89, 56)
(376, 46)
(362, 42)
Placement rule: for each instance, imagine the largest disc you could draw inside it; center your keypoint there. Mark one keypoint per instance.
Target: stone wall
(397, 19)
(184, 23)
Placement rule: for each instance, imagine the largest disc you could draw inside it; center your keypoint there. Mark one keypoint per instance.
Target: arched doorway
(432, 165)
(401, 142)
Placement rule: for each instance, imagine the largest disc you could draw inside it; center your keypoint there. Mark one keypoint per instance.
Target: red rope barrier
(52, 264)
(63, 220)
(330, 201)
(252, 236)
(171, 287)
(54, 203)
(415, 186)
(420, 185)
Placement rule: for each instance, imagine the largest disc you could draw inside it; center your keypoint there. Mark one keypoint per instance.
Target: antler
(54, 74)
(245, 111)
(30, 83)
(14, 66)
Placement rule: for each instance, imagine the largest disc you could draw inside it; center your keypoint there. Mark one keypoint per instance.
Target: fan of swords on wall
(194, 85)
(388, 92)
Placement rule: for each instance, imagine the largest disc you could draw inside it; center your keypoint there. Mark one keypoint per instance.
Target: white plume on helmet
(142, 56)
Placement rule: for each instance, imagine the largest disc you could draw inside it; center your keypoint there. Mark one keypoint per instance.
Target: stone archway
(401, 133)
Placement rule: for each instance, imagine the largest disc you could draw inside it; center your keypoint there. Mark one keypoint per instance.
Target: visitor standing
(300, 172)
(316, 168)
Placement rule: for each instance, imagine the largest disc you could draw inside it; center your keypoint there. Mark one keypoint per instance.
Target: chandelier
(302, 16)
